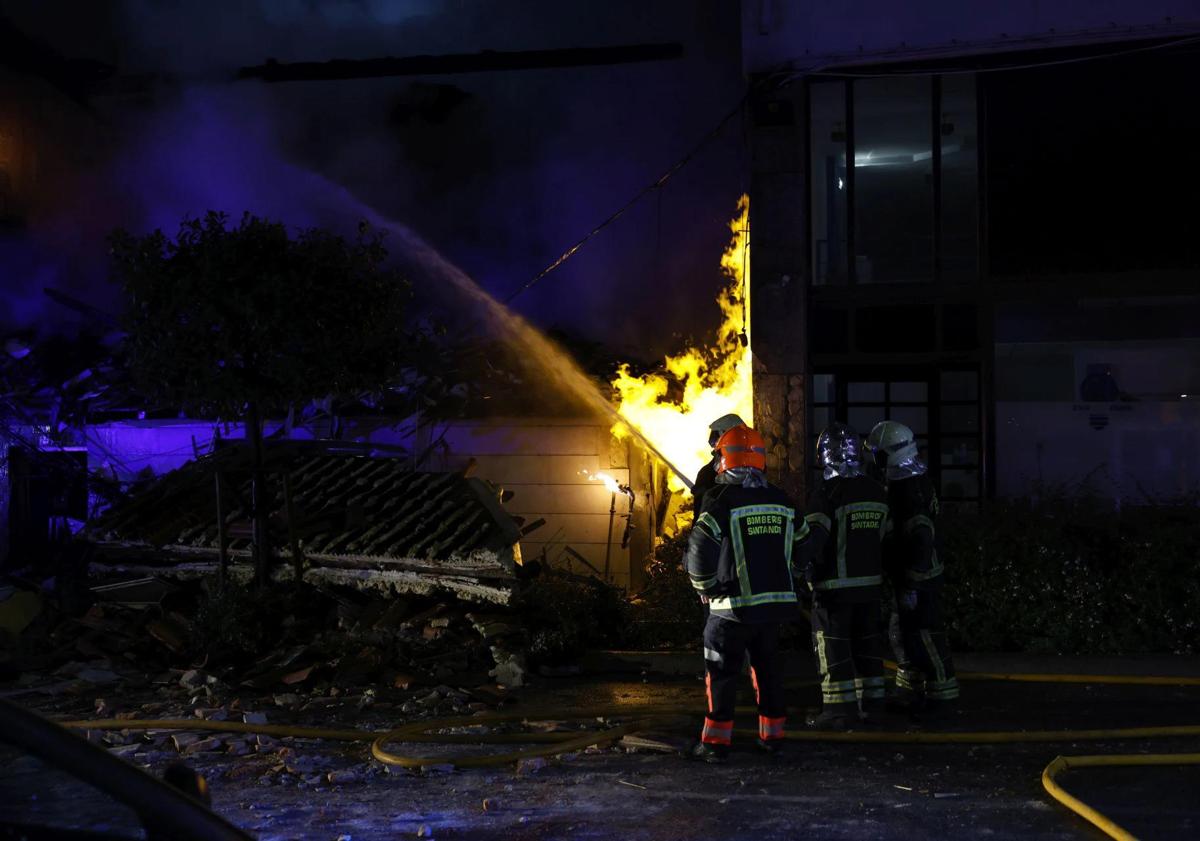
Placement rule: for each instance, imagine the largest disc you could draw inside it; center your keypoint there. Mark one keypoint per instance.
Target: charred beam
(439, 65)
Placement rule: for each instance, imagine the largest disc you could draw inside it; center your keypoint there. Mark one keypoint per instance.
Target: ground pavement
(303, 789)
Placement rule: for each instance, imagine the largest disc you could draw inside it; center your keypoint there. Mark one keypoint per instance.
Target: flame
(715, 380)
(609, 482)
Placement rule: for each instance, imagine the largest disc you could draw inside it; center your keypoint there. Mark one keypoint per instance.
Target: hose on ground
(643, 718)
(564, 742)
(1092, 815)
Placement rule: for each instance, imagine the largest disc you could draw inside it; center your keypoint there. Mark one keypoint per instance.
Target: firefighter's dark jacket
(911, 550)
(843, 552)
(706, 480)
(740, 553)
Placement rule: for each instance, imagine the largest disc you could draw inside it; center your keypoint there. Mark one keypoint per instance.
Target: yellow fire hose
(551, 743)
(1097, 818)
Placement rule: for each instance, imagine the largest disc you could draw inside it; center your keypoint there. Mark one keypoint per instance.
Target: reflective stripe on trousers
(770, 728)
(716, 732)
(870, 688)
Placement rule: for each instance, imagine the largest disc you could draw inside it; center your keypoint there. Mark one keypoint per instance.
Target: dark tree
(242, 320)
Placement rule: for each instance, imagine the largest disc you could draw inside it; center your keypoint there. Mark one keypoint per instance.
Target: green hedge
(1068, 574)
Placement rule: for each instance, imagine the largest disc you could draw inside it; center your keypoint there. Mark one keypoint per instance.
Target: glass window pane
(960, 483)
(960, 179)
(960, 385)
(915, 418)
(959, 419)
(923, 448)
(893, 180)
(822, 416)
(909, 392)
(959, 451)
(827, 101)
(824, 388)
(864, 392)
(862, 418)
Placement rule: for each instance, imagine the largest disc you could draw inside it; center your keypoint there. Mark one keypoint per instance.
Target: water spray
(556, 362)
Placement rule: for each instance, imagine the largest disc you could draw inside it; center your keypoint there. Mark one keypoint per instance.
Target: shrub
(1068, 574)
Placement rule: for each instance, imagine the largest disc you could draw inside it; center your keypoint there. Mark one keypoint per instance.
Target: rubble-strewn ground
(292, 788)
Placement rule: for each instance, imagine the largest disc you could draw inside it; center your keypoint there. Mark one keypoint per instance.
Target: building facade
(979, 233)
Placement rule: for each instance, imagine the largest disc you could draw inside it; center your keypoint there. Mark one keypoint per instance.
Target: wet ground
(859, 791)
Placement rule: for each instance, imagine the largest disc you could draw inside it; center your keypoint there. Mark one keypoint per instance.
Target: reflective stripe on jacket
(740, 553)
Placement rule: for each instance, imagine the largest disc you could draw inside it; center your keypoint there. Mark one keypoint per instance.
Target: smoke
(500, 172)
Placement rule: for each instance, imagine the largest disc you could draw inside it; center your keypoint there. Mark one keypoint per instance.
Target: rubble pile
(287, 655)
(301, 641)
(666, 613)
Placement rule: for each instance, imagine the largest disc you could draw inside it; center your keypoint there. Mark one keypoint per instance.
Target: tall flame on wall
(708, 381)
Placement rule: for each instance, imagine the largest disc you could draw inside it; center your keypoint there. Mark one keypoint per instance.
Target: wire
(825, 71)
(649, 188)
(784, 77)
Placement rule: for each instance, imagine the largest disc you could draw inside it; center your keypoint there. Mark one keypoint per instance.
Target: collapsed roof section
(359, 516)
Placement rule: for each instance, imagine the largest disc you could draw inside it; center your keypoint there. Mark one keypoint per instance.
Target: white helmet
(722, 425)
(895, 450)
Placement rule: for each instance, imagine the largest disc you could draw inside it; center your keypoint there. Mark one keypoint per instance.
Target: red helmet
(741, 446)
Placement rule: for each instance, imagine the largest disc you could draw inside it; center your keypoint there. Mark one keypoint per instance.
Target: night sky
(500, 171)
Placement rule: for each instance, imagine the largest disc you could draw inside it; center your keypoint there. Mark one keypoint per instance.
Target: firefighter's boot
(712, 754)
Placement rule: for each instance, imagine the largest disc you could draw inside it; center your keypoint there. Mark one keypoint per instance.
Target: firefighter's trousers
(848, 643)
(925, 666)
(726, 644)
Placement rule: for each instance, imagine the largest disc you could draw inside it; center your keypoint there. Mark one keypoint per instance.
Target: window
(893, 180)
(906, 210)
(958, 139)
(828, 195)
(941, 407)
(959, 446)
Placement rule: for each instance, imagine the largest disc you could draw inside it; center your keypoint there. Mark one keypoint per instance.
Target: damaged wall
(547, 464)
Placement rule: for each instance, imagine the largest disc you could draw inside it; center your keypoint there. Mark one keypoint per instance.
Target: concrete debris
(531, 765)
(653, 742)
(192, 679)
(184, 740)
(510, 669)
(212, 743)
(238, 747)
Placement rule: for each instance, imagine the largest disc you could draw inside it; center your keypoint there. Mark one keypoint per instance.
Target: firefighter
(707, 477)
(925, 679)
(841, 561)
(739, 561)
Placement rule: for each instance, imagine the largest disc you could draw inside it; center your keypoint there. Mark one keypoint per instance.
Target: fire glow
(608, 481)
(714, 380)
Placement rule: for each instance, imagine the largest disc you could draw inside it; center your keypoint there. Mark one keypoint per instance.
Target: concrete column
(779, 279)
